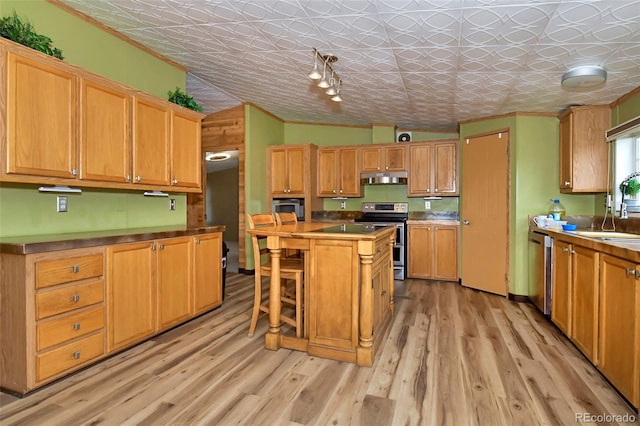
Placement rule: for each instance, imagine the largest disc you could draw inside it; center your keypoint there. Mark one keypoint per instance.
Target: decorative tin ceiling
(419, 64)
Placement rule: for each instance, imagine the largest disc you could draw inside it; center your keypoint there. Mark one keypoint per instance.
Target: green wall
(261, 130)
(626, 110)
(25, 211)
(326, 135)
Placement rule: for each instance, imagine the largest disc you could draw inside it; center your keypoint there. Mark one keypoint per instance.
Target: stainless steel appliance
(390, 214)
(289, 205)
(540, 271)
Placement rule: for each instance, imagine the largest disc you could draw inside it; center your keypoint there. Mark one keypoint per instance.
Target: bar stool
(290, 269)
(288, 218)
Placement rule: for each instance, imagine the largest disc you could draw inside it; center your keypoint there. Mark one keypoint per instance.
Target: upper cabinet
(433, 168)
(383, 158)
(287, 169)
(583, 149)
(67, 126)
(40, 118)
(338, 172)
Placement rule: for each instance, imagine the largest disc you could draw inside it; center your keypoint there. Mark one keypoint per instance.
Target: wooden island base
(348, 289)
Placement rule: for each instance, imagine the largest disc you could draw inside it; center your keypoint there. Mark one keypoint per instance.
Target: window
(627, 161)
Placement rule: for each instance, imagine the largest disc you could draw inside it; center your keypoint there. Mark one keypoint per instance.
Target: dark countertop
(431, 216)
(352, 215)
(43, 243)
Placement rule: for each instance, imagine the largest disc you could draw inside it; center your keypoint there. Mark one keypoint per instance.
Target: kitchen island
(348, 288)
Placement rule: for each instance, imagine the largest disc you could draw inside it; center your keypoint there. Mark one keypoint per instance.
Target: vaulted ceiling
(419, 64)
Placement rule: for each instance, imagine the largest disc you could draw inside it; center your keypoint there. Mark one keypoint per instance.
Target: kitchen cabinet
(287, 171)
(53, 318)
(174, 282)
(131, 293)
(381, 280)
(338, 172)
(584, 305)
(207, 288)
(561, 291)
(41, 118)
(383, 158)
(433, 251)
(619, 344)
(583, 149)
(67, 126)
(433, 169)
(105, 142)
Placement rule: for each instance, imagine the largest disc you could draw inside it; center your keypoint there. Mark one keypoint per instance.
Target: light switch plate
(427, 205)
(343, 205)
(61, 203)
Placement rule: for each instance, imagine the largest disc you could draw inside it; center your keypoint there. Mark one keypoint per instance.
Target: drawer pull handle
(75, 269)
(76, 298)
(379, 250)
(76, 355)
(76, 326)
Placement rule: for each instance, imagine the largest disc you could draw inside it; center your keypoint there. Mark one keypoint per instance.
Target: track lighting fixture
(332, 84)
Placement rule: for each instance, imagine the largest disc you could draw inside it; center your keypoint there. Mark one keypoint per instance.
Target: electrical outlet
(61, 203)
(172, 204)
(427, 205)
(343, 205)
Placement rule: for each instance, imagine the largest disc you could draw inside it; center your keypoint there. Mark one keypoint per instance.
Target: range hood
(384, 178)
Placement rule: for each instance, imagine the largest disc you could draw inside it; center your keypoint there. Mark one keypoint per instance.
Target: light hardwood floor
(453, 356)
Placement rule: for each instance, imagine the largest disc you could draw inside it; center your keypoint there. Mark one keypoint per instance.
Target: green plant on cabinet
(22, 32)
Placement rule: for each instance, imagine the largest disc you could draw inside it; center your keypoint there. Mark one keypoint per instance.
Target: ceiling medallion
(584, 77)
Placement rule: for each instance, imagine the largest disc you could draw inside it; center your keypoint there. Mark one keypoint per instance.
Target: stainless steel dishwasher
(540, 270)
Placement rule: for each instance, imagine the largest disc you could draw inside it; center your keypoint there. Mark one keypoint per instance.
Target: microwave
(289, 205)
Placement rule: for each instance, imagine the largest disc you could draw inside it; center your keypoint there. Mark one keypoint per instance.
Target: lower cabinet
(64, 309)
(561, 291)
(620, 325)
(433, 251)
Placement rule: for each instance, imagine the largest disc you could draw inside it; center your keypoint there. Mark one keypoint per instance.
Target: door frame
(507, 130)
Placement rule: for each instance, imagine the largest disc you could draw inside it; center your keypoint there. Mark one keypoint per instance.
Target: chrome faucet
(623, 189)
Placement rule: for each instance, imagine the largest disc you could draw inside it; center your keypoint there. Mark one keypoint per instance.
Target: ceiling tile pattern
(420, 64)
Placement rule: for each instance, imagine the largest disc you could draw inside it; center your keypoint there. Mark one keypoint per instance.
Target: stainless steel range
(390, 214)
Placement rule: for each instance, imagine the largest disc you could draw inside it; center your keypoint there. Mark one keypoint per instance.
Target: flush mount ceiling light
(584, 77)
(333, 83)
(218, 156)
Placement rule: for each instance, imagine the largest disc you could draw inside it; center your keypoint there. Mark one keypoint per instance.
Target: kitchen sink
(609, 235)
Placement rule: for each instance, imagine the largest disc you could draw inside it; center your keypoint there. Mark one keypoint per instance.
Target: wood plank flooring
(453, 356)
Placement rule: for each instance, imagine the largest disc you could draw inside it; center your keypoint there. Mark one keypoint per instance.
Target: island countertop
(43, 243)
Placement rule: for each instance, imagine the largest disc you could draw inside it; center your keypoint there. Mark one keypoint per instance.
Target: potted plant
(631, 190)
(182, 99)
(14, 29)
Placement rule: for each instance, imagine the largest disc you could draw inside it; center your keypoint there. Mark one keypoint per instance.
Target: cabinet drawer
(53, 272)
(68, 298)
(69, 327)
(381, 249)
(68, 356)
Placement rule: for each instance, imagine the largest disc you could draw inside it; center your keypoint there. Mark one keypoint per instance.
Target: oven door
(398, 248)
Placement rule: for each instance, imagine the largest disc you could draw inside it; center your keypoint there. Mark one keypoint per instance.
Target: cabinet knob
(565, 249)
(465, 222)
(341, 191)
(76, 355)
(197, 241)
(153, 247)
(75, 298)
(436, 190)
(567, 183)
(174, 181)
(631, 271)
(138, 178)
(161, 246)
(127, 178)
(428, 189)
(334, 191)
(75, 269)
(384, 292)
(76, 326)
(74, 172)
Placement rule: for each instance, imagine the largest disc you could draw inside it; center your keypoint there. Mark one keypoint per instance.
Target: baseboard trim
(246, 271)
(519, 298)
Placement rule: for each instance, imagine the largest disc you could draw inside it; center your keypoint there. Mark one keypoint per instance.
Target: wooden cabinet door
(185, 150)
(349, 173)
(445, 168)
(566, 171)
(372, 159)
(395, 158)
(420, 252)
(105, 144)
(445, 253)
(131, 293)
(561, 299)
(619, 348)
(584, 305)
(327, 172)
(150, 143)
(296, 169)
(207, 257)
(174, 281)
(420, 170)
(278, 171)
(41, 109)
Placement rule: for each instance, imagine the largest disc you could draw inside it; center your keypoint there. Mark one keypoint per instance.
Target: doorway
(485, 213)
(222, 199)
